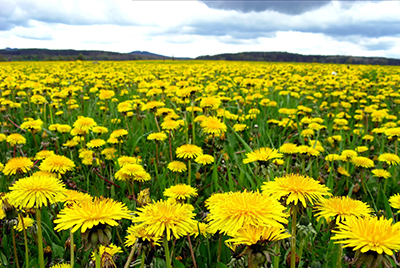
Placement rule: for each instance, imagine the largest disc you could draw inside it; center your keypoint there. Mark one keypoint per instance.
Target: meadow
(199, 164)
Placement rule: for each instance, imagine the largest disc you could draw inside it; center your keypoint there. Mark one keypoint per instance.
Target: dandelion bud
(143, 198)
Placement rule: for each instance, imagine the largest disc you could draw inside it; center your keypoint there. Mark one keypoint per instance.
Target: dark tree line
(292, 57)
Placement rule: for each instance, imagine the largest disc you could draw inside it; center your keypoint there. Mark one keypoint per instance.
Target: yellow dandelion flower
(17, 164)
(127, 160)
(119, 133)
(369, 234)
(106, 95)
(32, 125)
(36, 191)
(188, 151)
(332, 157)
(88, 214)
(84, 123)
(171, 124)
(109, 153)
(140, 231)
(395, 201)
(128, 172)
(251, 235)
(158, 136)
(97, 143)
(381, 173)
(15, 138)
(177, 166)
(391, 159)
(262, 155)
(57, 164)
(71, 197)
(341, 170)
(43, 154)
(99, 130)
(392, 132)
(212, 125)
(110, 249)
(166, 218)
(231, 211)
(201, 228)
(141, 176)
(347, 155)
(240, 127)
(180, 192)
(151, 105)
(361, 161)
(341, 208)
(61, 265)
(204, 159)
(28, 222)
(296, 188)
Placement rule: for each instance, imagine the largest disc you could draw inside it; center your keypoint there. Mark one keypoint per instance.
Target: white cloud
(190, 28)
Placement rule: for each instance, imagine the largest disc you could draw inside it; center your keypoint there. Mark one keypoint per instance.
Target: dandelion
(212, 125)
(158, 136)
(262, 155)
(177, 166)
(296, 188)
(361, 161)
(231, 211)
(188, 151)
(84, 123)
(180, 192)
(27, 222)
(97, 143)
(57, 164)
(369, 234)
(90, 213)
(395, 201)
(390, 159)
(381, 173)
(35, 192)
(340, 208)
(32, 125)
(127, 160)
(204, 159)
(15, 138)
(17, 165)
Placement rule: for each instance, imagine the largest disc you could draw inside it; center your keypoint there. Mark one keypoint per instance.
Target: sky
(191, 28)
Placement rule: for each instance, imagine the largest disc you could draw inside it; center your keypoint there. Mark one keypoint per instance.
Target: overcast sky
(190, 28)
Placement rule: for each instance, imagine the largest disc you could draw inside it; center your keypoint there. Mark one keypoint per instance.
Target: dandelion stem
(15, 247)
(191, 252)
(130, 257)
(170, 146)
(193, 129)
(339, 256)
(219, 247)
(25, 242)
(72, 247)
(189, 172)
(97, 257)
(293, 238)
(167, 256)
(277, 255)
(40, 238)
(143, 259)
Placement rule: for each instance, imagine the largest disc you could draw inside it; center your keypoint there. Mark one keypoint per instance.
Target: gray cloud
(380, 45)
(20, 13)
(291, 7)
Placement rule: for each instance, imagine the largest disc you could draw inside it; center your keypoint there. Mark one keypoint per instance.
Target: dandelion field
(199, 164)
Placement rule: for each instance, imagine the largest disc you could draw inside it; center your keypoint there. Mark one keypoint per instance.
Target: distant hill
(293, 57)
(36, 54)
